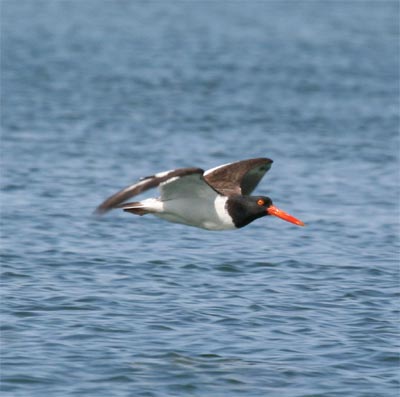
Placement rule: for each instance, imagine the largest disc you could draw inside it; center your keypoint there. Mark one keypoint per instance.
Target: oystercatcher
(217, 199)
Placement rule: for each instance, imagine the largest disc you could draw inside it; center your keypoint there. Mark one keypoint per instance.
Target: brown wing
(144, 184)
(241, 177)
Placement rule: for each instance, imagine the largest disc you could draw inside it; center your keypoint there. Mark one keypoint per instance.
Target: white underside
(197, 212)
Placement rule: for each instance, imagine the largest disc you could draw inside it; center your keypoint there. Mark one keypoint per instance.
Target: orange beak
(272, 210)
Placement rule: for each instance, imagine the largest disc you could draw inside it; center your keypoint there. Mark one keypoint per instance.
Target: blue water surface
(96, 94)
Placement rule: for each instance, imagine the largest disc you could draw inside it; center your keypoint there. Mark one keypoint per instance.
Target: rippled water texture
(96, 94)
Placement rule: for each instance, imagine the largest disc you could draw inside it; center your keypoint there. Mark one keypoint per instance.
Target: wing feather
(143, 185)
(189, 186)
(241, 177)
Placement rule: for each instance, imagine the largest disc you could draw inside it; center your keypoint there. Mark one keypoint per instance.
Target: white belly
(210, 215)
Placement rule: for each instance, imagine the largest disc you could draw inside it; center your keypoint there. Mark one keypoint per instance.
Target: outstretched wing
(189, 186)
(144, 184)
(241, 177)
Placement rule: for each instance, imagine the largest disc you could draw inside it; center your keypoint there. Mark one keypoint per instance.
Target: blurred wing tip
(99, 211)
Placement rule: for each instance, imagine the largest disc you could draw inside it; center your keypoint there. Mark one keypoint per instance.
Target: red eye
(261, 202)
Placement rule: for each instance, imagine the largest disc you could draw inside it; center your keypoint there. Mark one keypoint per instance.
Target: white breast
(210, 215)
(225, 220)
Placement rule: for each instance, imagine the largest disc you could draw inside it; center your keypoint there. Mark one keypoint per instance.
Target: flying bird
(216, 199)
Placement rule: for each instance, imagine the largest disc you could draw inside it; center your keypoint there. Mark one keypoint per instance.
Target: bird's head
(249, 208)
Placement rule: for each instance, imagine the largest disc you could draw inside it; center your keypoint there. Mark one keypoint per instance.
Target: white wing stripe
(215, 168)
(163, 173)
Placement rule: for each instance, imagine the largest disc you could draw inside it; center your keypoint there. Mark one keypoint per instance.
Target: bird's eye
(261, 202)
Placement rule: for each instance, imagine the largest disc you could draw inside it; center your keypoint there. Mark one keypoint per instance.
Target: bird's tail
(137, 208)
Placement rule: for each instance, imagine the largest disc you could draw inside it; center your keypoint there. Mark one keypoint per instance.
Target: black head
(245, 209)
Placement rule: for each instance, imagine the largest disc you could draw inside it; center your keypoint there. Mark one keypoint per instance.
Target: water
(96, 94)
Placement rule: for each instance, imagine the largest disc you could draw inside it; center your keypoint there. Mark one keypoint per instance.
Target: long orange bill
(272, 210)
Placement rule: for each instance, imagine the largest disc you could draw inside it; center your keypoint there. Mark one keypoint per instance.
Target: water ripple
(98, 95)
